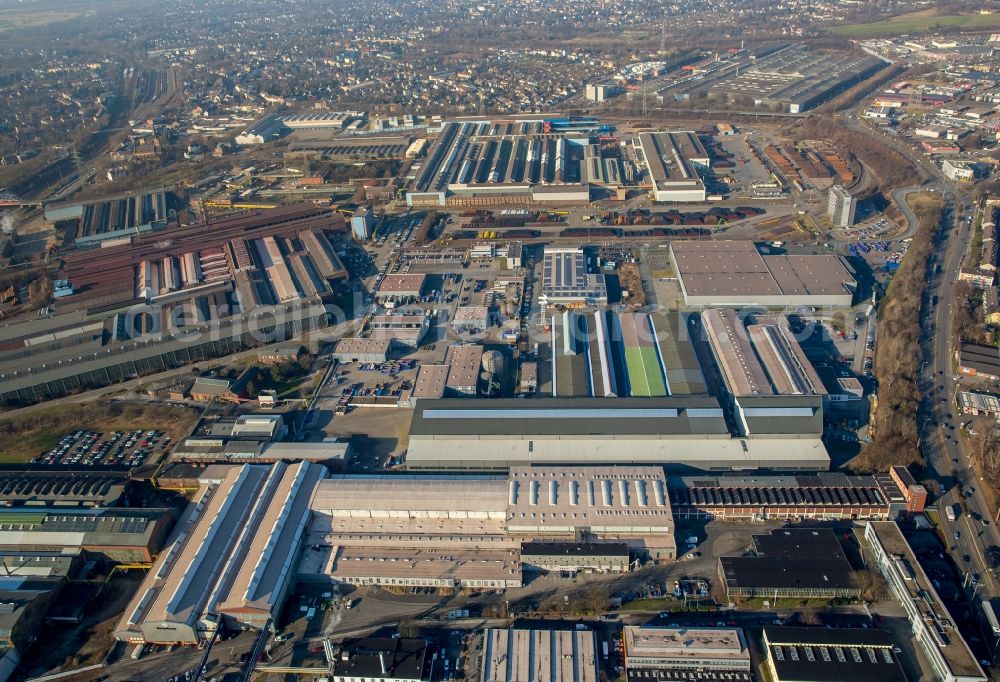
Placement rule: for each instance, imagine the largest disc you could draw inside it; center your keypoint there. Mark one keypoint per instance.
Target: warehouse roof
(574, 548)
(684, 375)
(822, 274)
(403, 658)
(737, 268)
(113, 526)
(210, 386)
(832, 654)
(663, 674)
(792, 543)
(539, 655)
(822, 489)
(233, 547)
(430, 381)
(686, 644)
(465, 361)
(792, 558)
(360, 346)
(402, 284)
(600, 497)
(407, 492)
(762, 573)
(798, 415)
(668, 157)
(727, 335)
(437, 564)
(577, 416)
(536, 495)
(270, 559)
(62, 487)
(570, 370)
(980, 357)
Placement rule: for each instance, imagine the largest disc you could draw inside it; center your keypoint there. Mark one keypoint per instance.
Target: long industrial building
(607, 354)
(822, 496)
(736, 274)
(682, 433)
(759, 359)
(28, 378)
(784, 360)
(232, 556)
(470, 531)
(115, 534)
(45, 486)
(799, 77)
(528, 159)
(933, 626)
(673, 160)
(794, 77)
(112, 218)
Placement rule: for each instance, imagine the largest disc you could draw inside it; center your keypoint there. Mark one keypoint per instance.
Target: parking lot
(93, 448)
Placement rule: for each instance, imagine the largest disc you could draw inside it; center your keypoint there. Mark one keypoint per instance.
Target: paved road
(971, 544)
(900, 197)
(939, 424)
(941, 445)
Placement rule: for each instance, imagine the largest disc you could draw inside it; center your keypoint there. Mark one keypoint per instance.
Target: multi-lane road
(971, 542)
(939, 424)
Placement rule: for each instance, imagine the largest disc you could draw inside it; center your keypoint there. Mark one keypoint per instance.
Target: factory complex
(474, 531)
(136, 308)
(546, 159)
(251, 533)
(763, 409)
(792, 77)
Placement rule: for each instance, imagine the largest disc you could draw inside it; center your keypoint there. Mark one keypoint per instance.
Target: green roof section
(23, 518)
(644, 373)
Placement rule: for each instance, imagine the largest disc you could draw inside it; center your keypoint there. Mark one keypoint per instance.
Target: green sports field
(644, 372)
(922, 24)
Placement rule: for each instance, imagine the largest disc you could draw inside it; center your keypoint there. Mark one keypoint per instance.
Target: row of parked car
(90, 448)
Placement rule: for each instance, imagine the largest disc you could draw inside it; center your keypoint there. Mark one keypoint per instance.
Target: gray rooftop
(578, 416)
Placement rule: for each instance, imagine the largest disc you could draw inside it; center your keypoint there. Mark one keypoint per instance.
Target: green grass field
(644, 372)
(910, 24)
